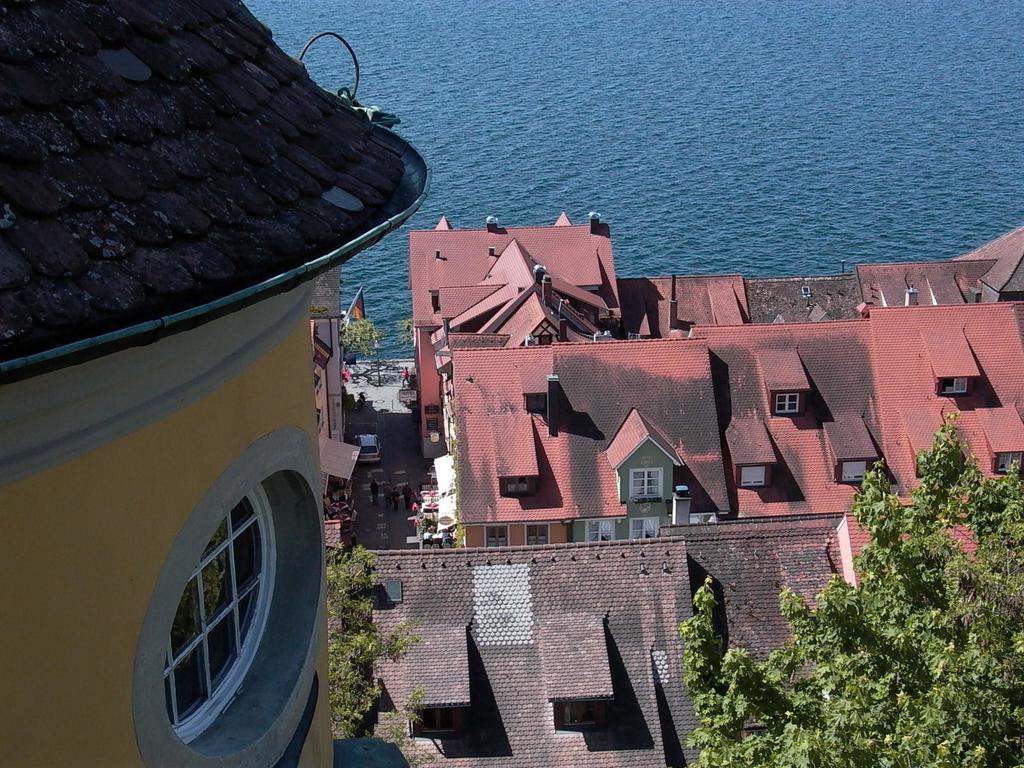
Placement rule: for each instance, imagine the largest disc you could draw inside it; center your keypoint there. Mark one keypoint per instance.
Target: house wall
(428, 383)
(476, 535)
(86, 540)
(329, 330)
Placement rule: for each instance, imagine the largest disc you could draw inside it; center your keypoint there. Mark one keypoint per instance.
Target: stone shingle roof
(155, 156)
(774, 299)
(533, 612)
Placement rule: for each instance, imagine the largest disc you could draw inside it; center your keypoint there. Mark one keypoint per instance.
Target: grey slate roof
(327, 293)
(772, 298)
(157, 155)
(610, 612)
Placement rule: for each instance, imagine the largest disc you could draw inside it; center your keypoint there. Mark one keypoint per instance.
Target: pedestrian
(386, 493)
(394, 499)
(373, 491)
(407, 494)
(405, 376)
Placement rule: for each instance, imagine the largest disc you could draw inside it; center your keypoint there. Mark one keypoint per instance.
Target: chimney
(681, 505)
(911, 300)
(563, 329)
(595, 222)
(545, 290)
(863, 309)
(554, 401)
(492, 223)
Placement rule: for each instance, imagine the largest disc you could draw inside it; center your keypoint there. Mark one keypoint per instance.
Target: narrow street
(376, 527)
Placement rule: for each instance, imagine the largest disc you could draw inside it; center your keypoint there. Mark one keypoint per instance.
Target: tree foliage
(354, 642)
(920, 666)
(359, 336)
(405, 331)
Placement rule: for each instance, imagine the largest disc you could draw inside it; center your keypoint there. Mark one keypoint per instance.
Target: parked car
(369, 448)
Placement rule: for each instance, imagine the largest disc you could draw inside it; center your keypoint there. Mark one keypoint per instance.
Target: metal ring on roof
(343, 41)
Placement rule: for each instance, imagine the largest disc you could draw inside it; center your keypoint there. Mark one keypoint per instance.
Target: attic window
(1005, 460)
(123, 62)
(752, 477)
(436, 720)
(490, 251)
(953, 386)
(544, 339)
(514, 486)
(853, 471)
(805, 291)
(393, 588)
(536, 402)
(645, 484)
(787, 403)
(435, 301)
(570, 715)
(339, 198)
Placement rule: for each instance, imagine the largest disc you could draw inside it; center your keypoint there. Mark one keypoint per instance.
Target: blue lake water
(764, 137)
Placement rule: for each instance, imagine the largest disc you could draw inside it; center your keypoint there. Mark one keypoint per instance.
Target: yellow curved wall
(81, 546)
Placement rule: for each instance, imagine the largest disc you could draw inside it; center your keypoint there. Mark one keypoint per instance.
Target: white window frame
(647, 525)
(546, 527)
(787, 403)
(755, 482)
(1006, 458)
(848, 476)
(959, 386)
(487, 535)
(219, 697)
(649, 477)
(698, 518)
(600, 530)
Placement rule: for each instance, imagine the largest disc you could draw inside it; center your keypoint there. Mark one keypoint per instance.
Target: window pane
(246, 608)
(218, 537)
(189, 682)
(221, 645)
(216, 586)
(167, 697)
(247, 556)
(186, 620)
(243, 511)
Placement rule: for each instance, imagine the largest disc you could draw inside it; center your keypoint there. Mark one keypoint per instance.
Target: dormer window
(544, 339)
(516, 486)
(753, 477)
(645, 484)
(853, 471)
(435, 301)
(438, 722)
(536, 402)
(956, 385)
(573, 715)
(787, 403)
(1006, 459)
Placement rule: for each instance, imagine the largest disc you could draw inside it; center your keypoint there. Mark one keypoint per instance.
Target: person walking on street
(386, 493)
(373, 491)
(394, 499)
(407, 493)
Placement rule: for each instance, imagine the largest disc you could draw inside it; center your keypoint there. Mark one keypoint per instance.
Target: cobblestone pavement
(401, 461)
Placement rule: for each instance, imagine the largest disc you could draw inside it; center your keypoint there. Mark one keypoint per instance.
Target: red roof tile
(486, 308)
(1003, 428)
(949, 351)
(633, 433)
(1007, 251)
(570, 252)
(749, 442)
(563, 220)
(514, 452)
(782, 370)
(921, 426)
(849, 438)
(700, 300)
(574, 657)
(455, 300)
(937, 282)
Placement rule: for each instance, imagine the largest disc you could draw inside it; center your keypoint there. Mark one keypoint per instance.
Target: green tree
(359, 336)
(354, 642)
(405, 331)
(920, 666)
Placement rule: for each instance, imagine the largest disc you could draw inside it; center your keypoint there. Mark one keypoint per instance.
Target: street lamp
(376, 351)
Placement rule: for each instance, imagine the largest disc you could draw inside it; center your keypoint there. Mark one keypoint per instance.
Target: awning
(444, 468)
(337, 459)
(446, 511)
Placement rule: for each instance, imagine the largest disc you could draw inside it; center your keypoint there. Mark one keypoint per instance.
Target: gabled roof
(782, 369)
(668, 381)
(1003, 428)
(457, 299)
(573, 253)
(634, 432)
(486, 307)
(563, 220)
(438, 662)
(579, 619)
(1006, 252)
(514, 452)
(175, 158)
(512, 267)
(700, 300)
(936, 282)
(949, 351)
(749, 442)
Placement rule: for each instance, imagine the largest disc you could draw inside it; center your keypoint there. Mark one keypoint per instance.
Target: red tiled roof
(633, 433)
(1003, 428)
(514, 452)
(921, 426)
(937, 282)
(949, 351)
(700, 300)
(455, 300)
(1007, 251)
(574, 657)
(513, 267)
(570, 252)
(438, 662)
(782, 370)
(486, 307)
(669, 383)
(849, 438)
(563, 220)
(749, 442)
(443, 223)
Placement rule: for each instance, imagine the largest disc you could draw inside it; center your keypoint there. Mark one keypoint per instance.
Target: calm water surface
(765, 136)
